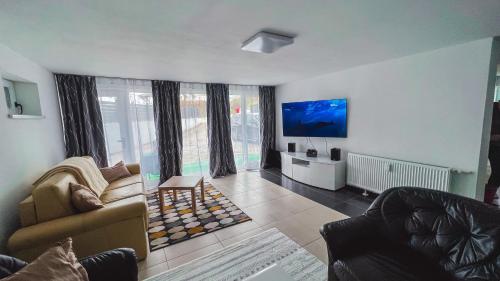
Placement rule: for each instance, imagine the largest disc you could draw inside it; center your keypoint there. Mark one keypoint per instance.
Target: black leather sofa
(115, 265)
(416, 234)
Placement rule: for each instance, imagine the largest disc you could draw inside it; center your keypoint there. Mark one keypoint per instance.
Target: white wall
(27, 147)
(426, 108)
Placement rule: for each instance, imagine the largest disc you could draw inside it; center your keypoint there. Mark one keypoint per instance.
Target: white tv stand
(318, 171)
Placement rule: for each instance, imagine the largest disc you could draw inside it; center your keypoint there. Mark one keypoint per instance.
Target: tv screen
(322, 118)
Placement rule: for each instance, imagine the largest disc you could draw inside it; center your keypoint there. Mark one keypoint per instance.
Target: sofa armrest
(57, 229)
(119, 264)
(134, 168)
(27, 212)
(45, 233)
(119, 210)
(346, 237)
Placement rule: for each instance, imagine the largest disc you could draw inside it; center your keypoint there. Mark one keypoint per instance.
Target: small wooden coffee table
(182, 183)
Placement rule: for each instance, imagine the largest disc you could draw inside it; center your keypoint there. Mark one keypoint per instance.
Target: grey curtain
(219, 131)
(267, 109)
(167, 115)
(81, 117)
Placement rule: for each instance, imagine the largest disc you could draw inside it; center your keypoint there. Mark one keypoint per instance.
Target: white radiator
(377, 174)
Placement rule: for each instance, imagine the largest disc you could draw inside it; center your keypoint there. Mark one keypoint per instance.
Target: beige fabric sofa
(48, 216)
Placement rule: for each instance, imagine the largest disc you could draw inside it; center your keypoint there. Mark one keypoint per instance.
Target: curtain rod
(163, 80)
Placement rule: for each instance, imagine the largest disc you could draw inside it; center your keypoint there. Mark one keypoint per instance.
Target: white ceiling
(189, 40)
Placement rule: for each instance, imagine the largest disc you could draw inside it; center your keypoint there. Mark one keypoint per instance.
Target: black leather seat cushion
(388, 265)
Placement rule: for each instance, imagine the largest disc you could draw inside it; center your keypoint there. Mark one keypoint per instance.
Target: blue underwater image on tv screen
(323, 118)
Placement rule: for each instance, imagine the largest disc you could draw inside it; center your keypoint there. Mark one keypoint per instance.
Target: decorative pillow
(118, 171)
(58, 263)
(83, 198)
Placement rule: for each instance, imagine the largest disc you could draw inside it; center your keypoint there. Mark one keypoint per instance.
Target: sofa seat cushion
(124, 182)
(122, 193)
(389, 265)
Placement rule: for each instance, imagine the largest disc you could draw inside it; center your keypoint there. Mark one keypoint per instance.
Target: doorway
(245, 126)
(492, 190)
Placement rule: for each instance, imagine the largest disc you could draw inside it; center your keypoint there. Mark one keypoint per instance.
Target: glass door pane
(144, 134)
(113, 134)
(237, 130)
(127, 113)
(245, 126)
(194, 129)
(252, 127)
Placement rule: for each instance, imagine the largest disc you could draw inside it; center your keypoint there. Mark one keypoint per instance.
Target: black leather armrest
(10, 265)
(119, 264)
(349, 236)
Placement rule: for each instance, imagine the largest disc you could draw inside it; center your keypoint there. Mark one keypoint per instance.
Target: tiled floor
(348, 200)
(269, 205)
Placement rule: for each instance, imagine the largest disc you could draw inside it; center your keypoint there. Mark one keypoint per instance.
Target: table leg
(162, 200)
(193, 201)
(175, 194)
(202, 185)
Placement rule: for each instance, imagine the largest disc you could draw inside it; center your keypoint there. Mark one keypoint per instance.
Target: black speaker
(335, 154)
(291, 147)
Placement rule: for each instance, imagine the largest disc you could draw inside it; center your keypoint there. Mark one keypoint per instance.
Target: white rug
(248, 257)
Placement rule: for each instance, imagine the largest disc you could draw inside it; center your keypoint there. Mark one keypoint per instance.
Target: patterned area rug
(244, 259)
(178, 223)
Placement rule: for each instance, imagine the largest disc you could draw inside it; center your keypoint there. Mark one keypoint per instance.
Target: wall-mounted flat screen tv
(322, 118)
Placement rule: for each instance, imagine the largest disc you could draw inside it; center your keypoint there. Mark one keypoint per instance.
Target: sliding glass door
(127, 109)
(245, 129)
(245, 126)
(127, 113)
(194, 129)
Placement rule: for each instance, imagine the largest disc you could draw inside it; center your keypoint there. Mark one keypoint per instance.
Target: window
(195, 159)
(127, 113)
(22, 99)
(245, 126)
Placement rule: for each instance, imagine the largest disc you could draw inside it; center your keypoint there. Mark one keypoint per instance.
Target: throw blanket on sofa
(84, 169)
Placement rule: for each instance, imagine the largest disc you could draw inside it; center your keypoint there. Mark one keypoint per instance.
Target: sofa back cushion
(460, 234)
(84, 169)
(96, 181)
(53, 197)
(113, 173)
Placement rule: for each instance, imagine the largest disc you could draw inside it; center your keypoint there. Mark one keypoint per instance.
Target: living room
(250, 140)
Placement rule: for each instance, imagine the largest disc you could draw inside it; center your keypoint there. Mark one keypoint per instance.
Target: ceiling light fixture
(266, 42)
